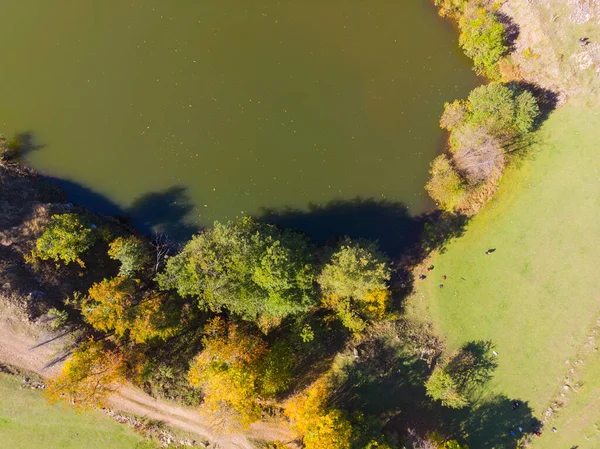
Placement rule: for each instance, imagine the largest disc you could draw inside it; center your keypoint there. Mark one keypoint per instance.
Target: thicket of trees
(484, 130)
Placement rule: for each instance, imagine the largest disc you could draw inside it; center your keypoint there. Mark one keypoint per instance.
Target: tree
(454, 115)
(477, 154)
(354, 283)
(483, 39)
(253, 269)
(132, 252)
(228, 371)
(330, 431)
(92, 374)
(320, 426)
(445, 186)
(506, 112)
(441, 387)
(118, 305)
(66, 238)
(452, 381)
(304, 409)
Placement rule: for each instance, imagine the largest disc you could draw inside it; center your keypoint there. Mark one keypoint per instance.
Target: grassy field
(537, 296)
(28, 422)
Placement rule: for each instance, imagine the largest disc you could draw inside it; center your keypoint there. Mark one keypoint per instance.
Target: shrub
(483, 39)
(66, 238)
(253, 269)
(454, 115)
(132, 252)
(445, 186)
(59, 318)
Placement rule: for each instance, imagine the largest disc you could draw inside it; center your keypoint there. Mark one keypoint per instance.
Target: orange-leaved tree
(119, 305)
(92, 374)
(227, 370)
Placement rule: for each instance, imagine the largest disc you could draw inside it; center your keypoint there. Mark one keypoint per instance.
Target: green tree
(441, 387)
(445, 186)
(253, 269)
(66, 238)
(354, 283)
(132, 252)
(483, 39)
(505, 112)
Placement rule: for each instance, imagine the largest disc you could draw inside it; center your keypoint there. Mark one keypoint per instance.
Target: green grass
(579, 423)
(28, 422)
(537, 296)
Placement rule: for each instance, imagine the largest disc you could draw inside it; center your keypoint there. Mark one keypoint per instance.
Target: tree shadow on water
(385, 221)
(166, 212)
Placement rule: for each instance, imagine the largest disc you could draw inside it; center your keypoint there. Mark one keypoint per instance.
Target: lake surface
(201, 110)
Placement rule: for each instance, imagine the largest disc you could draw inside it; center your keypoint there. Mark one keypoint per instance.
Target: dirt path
(42, 355)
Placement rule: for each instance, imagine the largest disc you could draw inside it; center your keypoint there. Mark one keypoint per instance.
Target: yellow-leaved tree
(92, 374)
(227, 370)
(319, 426)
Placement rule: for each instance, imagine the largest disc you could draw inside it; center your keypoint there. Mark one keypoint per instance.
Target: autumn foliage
(228, 370)
(89, 377)
(118, 305)
(320, 426)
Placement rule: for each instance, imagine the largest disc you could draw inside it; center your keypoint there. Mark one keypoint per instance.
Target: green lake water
(200, 110)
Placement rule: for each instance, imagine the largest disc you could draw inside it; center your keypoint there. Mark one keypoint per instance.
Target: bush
(445, 186)
(483, 39)
(59, 318)
(66, 238)
(132, 252)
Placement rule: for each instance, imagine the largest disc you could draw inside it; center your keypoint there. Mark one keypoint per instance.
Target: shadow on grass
(388, 383)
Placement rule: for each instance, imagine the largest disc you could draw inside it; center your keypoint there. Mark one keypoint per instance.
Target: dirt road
(42, 354)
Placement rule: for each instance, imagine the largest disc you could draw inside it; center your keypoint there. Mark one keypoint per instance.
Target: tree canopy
(132, 252)
(252, 269)
(354, 283)
(483, 39)
(228, 371)
(118, 305)
(92, 374)
(66, 238)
